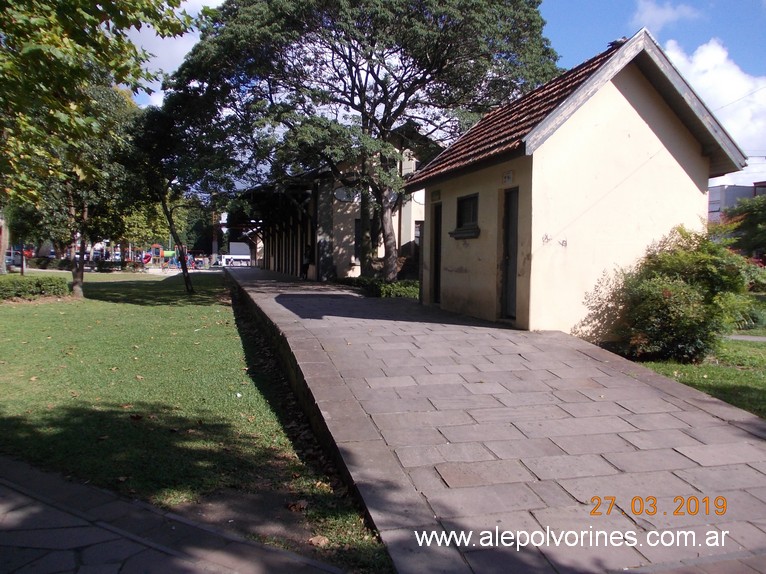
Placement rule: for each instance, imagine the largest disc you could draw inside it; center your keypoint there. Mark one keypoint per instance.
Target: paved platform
(52, 525)
(446, 424)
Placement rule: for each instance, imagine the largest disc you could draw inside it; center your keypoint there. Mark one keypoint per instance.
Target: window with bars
(467, 217)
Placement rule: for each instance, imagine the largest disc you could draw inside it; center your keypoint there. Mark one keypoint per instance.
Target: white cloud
(168, 53)
(736, 98)
(655, 17)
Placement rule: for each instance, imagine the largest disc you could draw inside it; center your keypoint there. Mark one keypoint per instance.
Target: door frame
(510, 254)
(436, 253)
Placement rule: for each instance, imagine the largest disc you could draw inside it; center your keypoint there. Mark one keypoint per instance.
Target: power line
(742, 98)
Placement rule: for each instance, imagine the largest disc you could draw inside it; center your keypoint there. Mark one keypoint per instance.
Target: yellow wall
(344, 216)
(616, 176)
(471, 272)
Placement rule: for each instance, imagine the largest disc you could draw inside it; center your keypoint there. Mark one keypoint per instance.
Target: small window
(467, 217)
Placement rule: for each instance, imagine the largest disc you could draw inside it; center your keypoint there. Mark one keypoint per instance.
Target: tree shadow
(167, 292)
(312, 300)
(270, 378)
(352, 306)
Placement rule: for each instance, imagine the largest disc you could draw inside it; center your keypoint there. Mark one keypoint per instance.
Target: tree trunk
(78, 270)
(391, 256)
(366, 251)
(174, 232)
(3, 242)
(78, 265)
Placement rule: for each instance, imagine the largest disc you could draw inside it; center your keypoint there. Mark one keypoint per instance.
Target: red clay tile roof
(501, 131)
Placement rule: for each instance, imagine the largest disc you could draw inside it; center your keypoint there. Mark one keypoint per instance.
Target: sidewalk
(49, 524)
(448, 424)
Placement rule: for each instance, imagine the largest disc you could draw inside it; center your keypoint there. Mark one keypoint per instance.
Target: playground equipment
(161, 257)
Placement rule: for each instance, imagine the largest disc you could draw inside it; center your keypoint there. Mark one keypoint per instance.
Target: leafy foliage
(51, 52)
(749, 215)
(32, 286)
(305, 84)
(675, 303)
(74, 209)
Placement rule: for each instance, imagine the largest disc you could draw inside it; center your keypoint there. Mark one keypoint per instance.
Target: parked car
(13, 258)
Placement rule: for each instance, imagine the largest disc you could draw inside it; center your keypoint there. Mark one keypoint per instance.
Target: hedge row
(373, 287)
(49, 263)
(31, 286)
(101, 265)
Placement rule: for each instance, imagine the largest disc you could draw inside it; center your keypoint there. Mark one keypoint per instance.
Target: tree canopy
(316, 83)
(749, 216)
(51, 52)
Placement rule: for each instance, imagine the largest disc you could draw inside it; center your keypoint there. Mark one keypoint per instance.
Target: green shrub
(134, 266)
(375, 287)
(40, 262)
(697, 260)
(49, 263)
(667, 318)
(31, 286)
(676, 302)
(103, 266)
(408, 288)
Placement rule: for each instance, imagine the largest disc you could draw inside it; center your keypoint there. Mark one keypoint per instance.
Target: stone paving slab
(455, 426)
(49, 524)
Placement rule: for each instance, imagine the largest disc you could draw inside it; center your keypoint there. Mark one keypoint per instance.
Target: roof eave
(431, 181)
(725, 155)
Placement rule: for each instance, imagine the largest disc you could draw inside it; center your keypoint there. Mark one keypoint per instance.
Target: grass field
(145, 390)
(735, 374)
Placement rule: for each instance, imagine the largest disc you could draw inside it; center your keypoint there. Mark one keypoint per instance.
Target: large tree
(158, 164)
(325, 83)
(51, 52)
(83, 206)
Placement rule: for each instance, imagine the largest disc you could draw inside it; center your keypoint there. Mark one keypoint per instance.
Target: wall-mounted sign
(508, 178)
(436, 195)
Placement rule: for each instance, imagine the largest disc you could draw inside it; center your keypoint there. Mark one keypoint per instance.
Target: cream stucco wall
(471, 271)
(413, 209)
(620, 173)
(345, 213)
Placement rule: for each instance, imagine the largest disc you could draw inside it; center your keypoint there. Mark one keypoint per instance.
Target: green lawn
(166, 397)
(735, 374)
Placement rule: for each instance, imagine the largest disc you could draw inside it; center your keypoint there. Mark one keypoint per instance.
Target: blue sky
(717, 45)
(579, 29)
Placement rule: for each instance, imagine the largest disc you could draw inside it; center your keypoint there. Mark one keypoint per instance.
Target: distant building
(723, 197)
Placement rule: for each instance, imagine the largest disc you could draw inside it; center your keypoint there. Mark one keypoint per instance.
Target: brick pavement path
(445, 423)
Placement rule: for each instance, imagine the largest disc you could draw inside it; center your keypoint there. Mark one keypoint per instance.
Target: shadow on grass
(269, 378)
(745, 396)
(140, 449)
(168, 291)
(152, 451)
